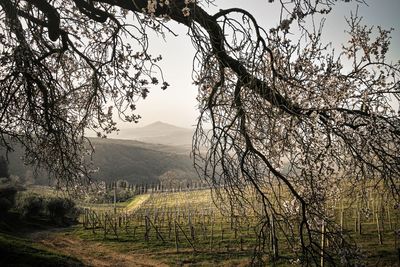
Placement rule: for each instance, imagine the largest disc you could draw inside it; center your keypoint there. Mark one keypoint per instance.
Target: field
(188, 228)
(22, 252)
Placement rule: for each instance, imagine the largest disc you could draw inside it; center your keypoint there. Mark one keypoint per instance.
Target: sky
(177, 105)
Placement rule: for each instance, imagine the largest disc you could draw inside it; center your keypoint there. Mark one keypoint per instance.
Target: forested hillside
(139, 162)
(129, 160)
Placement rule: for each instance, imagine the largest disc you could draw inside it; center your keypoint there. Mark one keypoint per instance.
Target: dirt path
(89, 252)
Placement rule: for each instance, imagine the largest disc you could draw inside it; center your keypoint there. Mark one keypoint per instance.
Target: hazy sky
(177, 104)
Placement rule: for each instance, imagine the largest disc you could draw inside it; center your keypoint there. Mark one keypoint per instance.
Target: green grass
(375, 253)
(220, 254)
(165, 251)
(132, 237)
(17, 251)
(108, 207)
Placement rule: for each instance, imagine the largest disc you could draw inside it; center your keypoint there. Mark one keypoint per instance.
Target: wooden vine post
(274, 239)
(323, 244)
(378, 229)
(212, 233)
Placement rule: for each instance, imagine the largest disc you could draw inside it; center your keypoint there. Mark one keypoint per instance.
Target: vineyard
(193, 221)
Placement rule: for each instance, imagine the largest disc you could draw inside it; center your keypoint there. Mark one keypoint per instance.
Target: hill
(130, 160)
(139, 162)
(158, 133)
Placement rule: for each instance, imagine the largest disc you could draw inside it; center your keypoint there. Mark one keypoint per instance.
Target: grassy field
(206, 236)
(17, 247)
(16, 251)
(181, 229)
(165, 251)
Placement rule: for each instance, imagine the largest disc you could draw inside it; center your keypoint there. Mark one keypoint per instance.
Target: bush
(31, 205)
(7, 197)
(59, 210)
(62, 210)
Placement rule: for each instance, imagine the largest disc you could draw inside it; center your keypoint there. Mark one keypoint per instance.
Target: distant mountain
(134, 161)
(158, 133)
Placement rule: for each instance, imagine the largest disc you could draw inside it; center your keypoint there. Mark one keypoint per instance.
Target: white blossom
(186, 11)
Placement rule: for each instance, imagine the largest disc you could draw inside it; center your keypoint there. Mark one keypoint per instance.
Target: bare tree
(271, 101)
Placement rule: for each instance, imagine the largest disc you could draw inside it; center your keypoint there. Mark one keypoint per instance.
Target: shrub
(62, 210)
(31, 205)
(7, 197)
